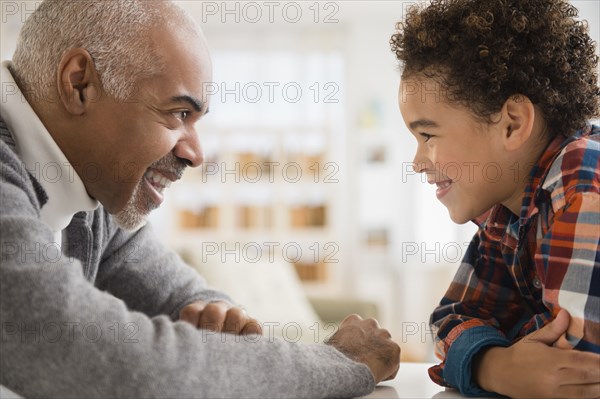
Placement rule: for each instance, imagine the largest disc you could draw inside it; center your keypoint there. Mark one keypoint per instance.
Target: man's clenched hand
(365, 342)
(221, 317)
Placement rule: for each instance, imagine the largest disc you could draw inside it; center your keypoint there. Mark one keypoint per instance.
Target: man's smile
(157, 181)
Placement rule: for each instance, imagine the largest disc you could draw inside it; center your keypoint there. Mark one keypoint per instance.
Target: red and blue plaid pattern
(518, 272)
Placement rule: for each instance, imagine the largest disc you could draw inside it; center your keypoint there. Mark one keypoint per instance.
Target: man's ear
(519, 115)
(77, 81)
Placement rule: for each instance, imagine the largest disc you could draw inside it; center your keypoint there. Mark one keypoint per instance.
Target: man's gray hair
(114, 32)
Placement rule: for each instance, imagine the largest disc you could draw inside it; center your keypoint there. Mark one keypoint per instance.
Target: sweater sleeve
(134, 264)
(63, 337)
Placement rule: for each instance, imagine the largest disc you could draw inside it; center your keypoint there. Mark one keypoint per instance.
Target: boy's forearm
(456, 370)
(484, 366)
(533, 367)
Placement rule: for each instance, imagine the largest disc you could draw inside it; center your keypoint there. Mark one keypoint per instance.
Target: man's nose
(189, 149)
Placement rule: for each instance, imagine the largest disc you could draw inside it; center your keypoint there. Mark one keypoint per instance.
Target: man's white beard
(135, 212)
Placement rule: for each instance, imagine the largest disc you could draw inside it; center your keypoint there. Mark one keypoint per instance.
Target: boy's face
(465, 158)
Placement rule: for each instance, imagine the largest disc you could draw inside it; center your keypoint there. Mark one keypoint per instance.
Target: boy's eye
(426, 136)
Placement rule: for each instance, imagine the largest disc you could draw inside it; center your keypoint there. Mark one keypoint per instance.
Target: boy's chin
(459, 217)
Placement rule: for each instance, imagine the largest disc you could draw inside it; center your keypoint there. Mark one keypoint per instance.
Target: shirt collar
(43, 158)
(499, 220)
(538, 174)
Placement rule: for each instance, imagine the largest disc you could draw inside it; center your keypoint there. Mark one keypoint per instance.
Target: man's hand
(220, 316)
(363, 341)
(533, 368)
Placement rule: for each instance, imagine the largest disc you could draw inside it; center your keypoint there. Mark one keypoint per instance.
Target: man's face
(143, 144)
(463, 157)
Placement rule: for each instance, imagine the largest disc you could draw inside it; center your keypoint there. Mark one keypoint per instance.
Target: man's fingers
(235, 320)
(252, 327)
(371, 322)
(220, 316)
(551, 332)
(587, 391)
(352, 318)
(191, 313)
(382, 332)
(213, 316)
(393, 375)
(364, 341)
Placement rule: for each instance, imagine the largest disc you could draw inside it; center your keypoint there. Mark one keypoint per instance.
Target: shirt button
(537, 283)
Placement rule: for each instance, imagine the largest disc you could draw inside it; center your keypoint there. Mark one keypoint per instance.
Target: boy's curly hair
(484, 51)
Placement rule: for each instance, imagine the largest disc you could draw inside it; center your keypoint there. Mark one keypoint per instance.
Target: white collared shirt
(43, 158)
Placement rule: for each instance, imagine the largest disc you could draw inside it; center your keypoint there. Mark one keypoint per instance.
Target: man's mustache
(170, 163)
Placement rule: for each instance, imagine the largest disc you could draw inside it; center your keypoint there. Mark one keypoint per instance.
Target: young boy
(498, 95)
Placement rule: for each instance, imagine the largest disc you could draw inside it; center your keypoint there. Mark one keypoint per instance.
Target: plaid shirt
(518, 272)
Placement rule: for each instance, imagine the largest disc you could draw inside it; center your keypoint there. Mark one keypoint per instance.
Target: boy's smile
(442, 187)
(475, 165)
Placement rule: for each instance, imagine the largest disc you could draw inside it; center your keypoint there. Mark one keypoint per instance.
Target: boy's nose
(419, 167)
(421, 163)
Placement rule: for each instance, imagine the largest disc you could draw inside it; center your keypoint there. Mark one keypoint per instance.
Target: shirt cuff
(457, 371)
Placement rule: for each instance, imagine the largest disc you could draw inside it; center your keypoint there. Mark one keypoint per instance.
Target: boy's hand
(221, 317)
(365, 342)
(532, 368)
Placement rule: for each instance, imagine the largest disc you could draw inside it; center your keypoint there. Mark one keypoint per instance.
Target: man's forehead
(186, 73)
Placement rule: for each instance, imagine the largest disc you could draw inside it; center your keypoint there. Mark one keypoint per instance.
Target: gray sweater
(99, 318)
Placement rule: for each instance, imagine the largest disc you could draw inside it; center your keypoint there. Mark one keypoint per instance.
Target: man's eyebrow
(422, 123)
(194, 102)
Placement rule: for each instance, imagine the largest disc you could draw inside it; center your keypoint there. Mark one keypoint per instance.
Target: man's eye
(181, 115)
(426, 136)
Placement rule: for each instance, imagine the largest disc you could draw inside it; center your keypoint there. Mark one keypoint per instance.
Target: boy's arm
(569, 255)
(477, 312)
(534, 368)
(466, 330)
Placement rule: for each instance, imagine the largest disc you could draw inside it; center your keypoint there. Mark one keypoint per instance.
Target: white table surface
(412, 381)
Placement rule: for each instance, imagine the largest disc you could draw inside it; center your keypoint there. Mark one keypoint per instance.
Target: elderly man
(98, 115)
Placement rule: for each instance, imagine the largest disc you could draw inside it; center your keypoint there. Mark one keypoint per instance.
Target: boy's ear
(77, 81)
(519, 115)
